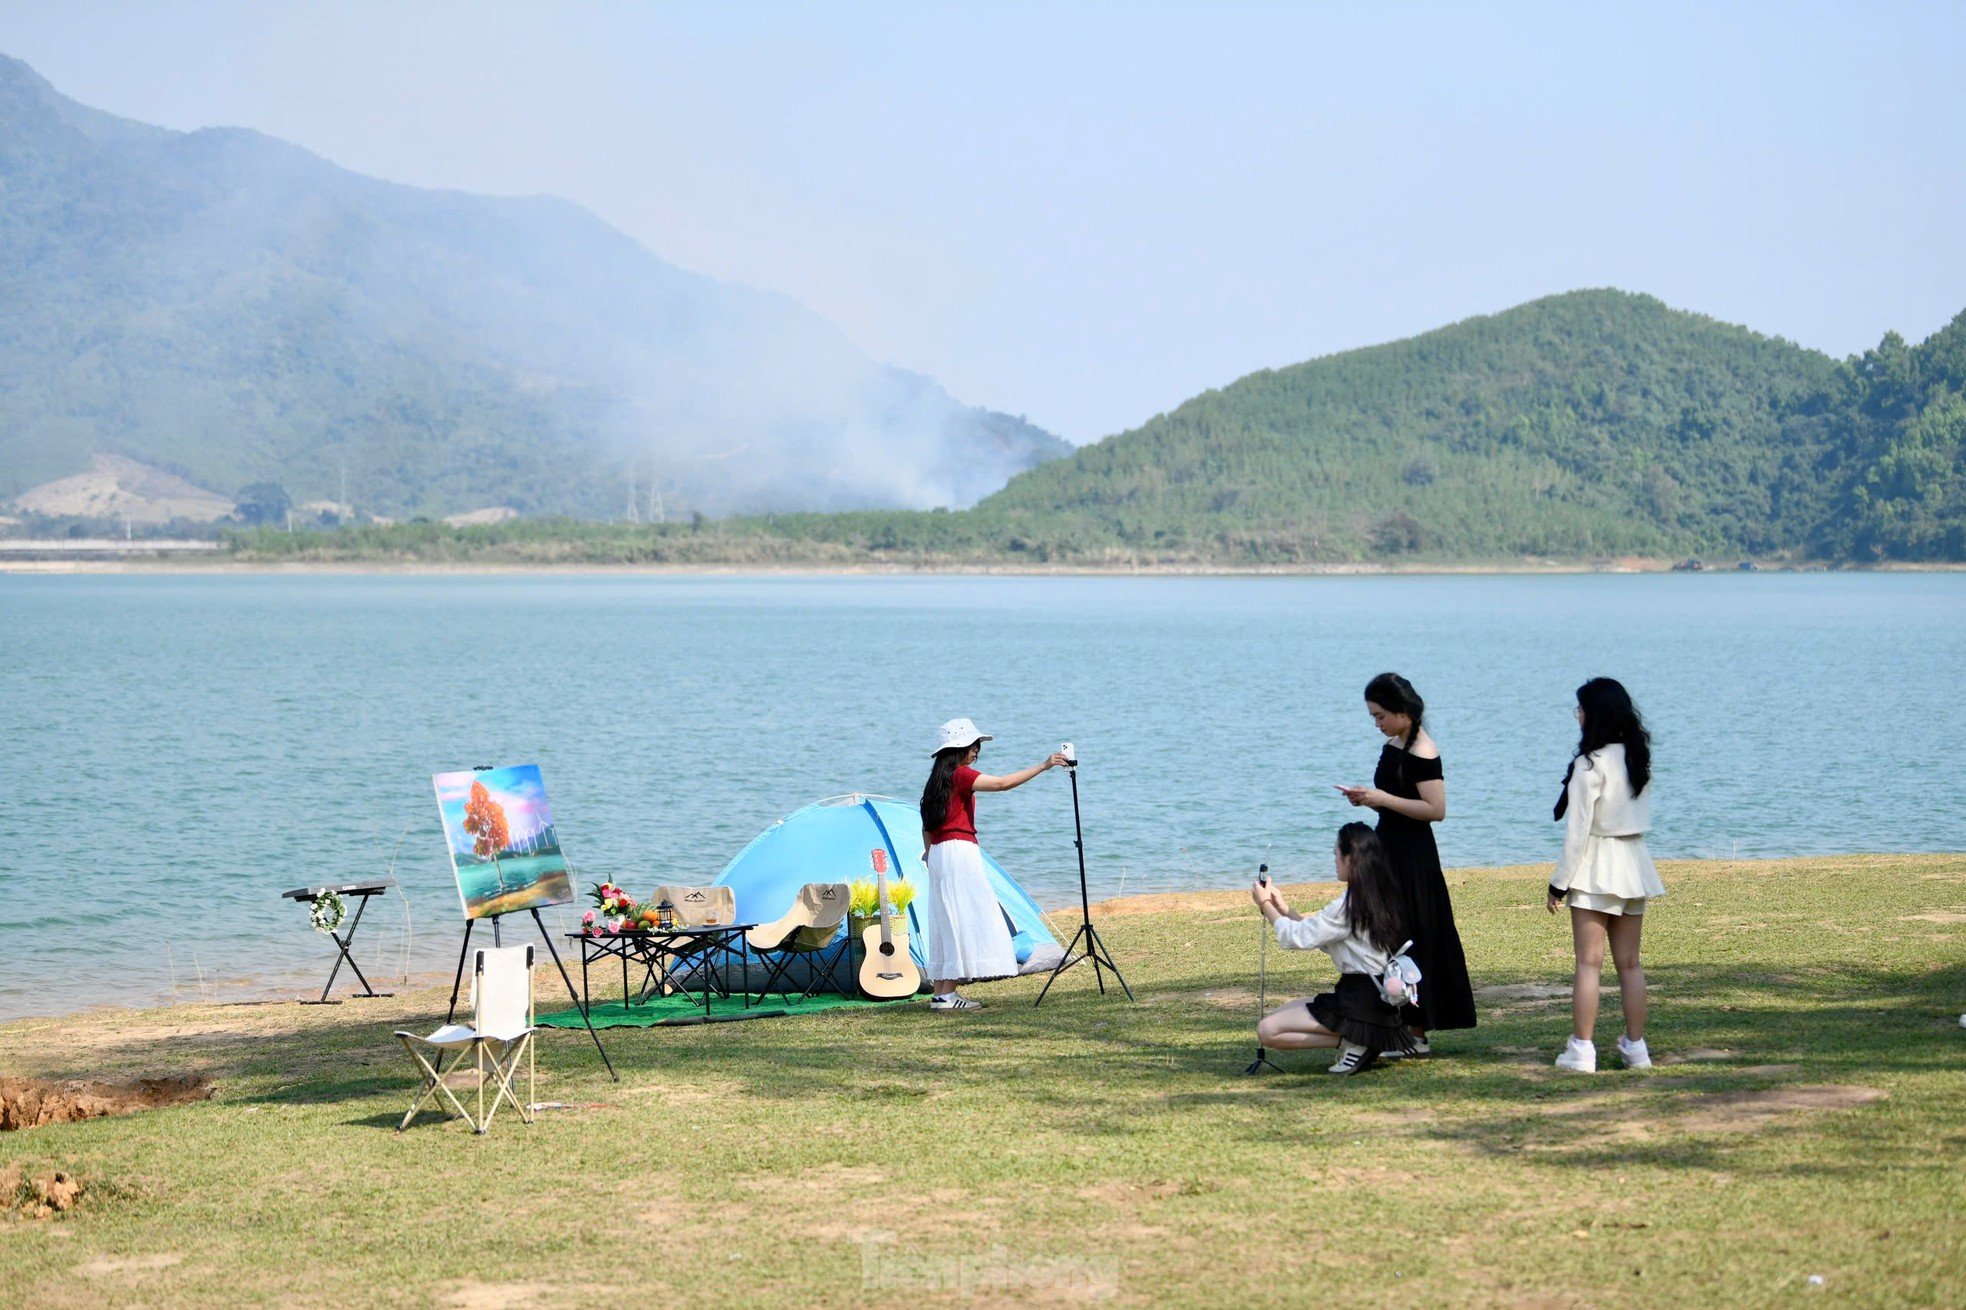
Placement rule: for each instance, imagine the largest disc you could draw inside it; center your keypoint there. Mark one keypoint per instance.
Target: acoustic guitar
(888, 973)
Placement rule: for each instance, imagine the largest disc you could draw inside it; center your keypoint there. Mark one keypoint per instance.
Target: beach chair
(499, 1034)
(807, 932)
(699, 906)
(695, 907)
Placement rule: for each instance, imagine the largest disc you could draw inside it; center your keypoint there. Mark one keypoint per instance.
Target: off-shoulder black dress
(1446, 998)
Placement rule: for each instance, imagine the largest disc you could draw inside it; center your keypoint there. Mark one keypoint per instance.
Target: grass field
(1800, 1140)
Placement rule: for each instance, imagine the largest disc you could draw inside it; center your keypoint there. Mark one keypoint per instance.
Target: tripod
(1094, 949)
(1263, 1060)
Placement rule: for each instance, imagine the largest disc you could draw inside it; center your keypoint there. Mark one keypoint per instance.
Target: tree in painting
(484, 820)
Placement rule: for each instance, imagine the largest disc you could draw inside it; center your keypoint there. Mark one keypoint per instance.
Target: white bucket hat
(958, 732)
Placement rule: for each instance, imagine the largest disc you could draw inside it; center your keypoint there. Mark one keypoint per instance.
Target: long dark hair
(1371, 899)
(1610, 718)
(1389, 691)
(941, 782)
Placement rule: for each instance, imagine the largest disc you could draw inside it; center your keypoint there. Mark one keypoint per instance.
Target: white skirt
(967, 935)
(1616, 866)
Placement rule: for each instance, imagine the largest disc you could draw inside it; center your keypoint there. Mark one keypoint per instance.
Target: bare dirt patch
(1611, 1117)
(681, 1094)
(38, 1196)
(1233, 998)
(825, 1202)
(474, 1295)
(116, 487)
(1752, 1111)
(34, 1102)
(1524, 992)
(1123, 1193)
(1188, 904)
(1936, 916)
(1694, 1055)
(113, 1265)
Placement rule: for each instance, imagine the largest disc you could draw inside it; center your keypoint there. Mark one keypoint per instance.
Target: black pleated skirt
(1357, 1013)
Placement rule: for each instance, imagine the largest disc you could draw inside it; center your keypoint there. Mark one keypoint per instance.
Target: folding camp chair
(500, 1032)
(807, 932)
(695, 907)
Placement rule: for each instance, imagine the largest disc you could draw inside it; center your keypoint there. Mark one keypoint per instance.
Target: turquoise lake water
(179, 750)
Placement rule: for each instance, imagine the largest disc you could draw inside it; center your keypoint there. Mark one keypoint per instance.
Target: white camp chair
(500, 1031)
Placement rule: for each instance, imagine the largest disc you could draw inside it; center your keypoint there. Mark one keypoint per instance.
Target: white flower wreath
(328, 911)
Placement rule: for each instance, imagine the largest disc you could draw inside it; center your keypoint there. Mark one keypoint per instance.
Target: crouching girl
(1360, 930)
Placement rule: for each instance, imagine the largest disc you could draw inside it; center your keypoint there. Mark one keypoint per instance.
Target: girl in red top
(968, 938)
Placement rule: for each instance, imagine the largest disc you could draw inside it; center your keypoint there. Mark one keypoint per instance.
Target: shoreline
(250, 991)
(180, 567)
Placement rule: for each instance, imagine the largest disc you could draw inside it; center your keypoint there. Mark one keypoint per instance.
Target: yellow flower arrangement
(866, 902)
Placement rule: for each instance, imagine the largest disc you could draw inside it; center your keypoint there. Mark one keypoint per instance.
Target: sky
(1086, 213)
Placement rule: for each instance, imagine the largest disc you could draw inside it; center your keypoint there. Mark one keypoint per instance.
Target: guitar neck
(887, 927)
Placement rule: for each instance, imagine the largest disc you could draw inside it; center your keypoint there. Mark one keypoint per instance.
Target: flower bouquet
(615, 911)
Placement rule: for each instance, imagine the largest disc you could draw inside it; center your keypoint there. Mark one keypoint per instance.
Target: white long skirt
(967, 935)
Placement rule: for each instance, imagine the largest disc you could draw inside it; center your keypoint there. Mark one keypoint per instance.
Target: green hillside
(1581, 427)
(233, 309)
(1593, 423)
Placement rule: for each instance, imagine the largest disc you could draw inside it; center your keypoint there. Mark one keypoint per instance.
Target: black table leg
(347, 944)
(343, 946)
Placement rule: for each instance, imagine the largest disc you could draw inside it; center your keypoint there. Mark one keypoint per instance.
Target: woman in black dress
(1410, 795)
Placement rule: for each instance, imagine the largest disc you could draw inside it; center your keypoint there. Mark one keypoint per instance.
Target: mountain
(235, 310)
(1591, 423)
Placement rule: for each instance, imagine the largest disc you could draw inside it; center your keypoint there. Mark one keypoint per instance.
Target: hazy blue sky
(1087, 213)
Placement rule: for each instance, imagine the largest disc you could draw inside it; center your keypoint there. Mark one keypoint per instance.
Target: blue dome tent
(833, 841)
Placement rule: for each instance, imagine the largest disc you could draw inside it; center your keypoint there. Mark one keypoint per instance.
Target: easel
(1095, 950)
(464, 953)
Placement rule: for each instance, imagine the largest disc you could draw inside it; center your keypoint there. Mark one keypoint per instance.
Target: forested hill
(1594, 423)
(233, 309)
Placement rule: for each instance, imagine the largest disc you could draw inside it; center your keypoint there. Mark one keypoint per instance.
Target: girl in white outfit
(1359, 930)
(1606, 876)
(968, 938)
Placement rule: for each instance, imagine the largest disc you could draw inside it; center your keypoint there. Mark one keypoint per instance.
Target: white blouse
(1602, 805)
(1327, 931)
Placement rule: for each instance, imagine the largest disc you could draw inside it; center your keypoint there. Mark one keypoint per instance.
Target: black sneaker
(1352, 1058)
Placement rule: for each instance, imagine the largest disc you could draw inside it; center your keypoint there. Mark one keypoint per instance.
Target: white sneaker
(1351, 1058)
(1421, 1046)
(953, 1001)
(1578, 1056)
(1634, 1054)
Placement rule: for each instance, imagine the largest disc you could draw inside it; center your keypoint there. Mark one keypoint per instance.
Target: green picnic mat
(672, 1011)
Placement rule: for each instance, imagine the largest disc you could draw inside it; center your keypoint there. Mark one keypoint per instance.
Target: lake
(181, 749)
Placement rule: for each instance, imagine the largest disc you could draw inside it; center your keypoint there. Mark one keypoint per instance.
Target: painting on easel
(504, 850)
